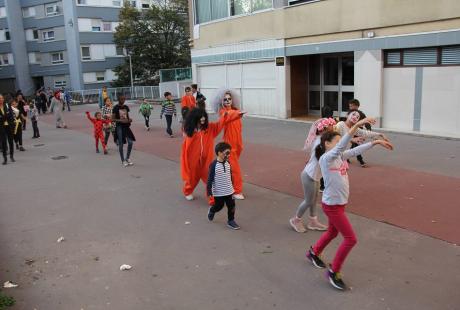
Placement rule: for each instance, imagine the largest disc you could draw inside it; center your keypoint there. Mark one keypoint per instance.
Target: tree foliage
(156, 38)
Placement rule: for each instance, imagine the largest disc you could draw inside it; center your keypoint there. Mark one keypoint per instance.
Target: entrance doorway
(330, 82)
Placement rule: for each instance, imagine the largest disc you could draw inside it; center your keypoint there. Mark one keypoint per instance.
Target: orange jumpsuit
(198, 152)
(233, 136)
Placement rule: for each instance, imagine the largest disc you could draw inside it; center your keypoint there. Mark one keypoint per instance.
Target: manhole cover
(38, 145)
(59, 157)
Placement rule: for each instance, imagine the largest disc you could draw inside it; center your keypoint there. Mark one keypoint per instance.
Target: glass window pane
(219, 9)
(426, 56)
(331, 99)
(346, 96)
(314, 101)
(348, 70)
(394, 58)
(331, 71)
(258, 5)
(450, 55)
(314, 70)
(203, 11)
(240, 7)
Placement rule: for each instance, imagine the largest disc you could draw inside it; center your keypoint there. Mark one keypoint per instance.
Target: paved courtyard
(404, 209)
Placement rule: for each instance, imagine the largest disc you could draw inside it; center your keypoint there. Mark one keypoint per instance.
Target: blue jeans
(120, 144)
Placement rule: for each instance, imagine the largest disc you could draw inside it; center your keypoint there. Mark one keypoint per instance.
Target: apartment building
(65, 43)
(289, 59)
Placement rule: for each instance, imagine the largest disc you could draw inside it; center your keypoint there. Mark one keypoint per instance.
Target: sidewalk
(112, 215)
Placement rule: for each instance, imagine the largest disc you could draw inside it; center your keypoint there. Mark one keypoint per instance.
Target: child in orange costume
(98, 123)
(198, 147)
(187, 103)
(232, 136)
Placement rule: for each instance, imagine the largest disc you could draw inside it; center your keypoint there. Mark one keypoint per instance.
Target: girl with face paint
(197, 151)
(233, 136)
(57, 104)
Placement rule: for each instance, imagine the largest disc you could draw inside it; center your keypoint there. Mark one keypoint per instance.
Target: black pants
(184, 111)
(18, 136)
(168, 124)
(107, 135)
(321, 182)
(35, 127)
(147, 120)
(6, 135)
(24, 123)
(219, 203)
(359, 157)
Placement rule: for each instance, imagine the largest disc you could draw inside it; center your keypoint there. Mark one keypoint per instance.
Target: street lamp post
(131, 74)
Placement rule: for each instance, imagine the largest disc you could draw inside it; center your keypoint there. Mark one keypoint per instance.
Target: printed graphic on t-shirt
(123, 114)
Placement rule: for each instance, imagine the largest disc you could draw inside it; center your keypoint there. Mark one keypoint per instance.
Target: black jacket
(7, 116)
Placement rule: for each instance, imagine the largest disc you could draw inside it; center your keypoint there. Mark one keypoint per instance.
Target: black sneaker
(336, 280)
(97, 151)
(315, 259)
(233, 225)
(210, 215)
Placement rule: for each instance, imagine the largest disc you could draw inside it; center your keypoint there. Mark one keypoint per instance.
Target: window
(120, 51)
(48, 35)
(292, 2)
(85, 53)
(7, 35)
(4, 60)
(57, 58)
(35, 34)
(60, 83)
(28, 12)
(2, 12)
(100, 76)
(208, 10)
(81, 2)
(107, 26)
(34, 58)
(51, 9)
(145, 4)
(427, 56)
(116, 3)
(132, 3)
(96, 28)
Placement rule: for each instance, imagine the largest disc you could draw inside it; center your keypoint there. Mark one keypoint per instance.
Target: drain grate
(59, 157)
(38, 145)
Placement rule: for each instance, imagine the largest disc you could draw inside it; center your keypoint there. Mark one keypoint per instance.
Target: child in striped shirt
(168, 108)
(220, 185)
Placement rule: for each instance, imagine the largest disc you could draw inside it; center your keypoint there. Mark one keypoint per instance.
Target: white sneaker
(189, 197)
(125, 164)
(314, 224)
(238, 196)
(130, 163)
(297, 225)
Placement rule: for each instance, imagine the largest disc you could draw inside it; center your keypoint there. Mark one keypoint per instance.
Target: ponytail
(325, 137)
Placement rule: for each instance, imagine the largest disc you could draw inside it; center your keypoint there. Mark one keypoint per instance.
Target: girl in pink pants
(332, 155)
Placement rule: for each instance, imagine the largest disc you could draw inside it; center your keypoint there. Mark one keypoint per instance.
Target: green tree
(157, 38)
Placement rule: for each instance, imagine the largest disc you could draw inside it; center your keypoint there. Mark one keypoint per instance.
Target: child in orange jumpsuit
(187, 103)
(232, 136)
(98, 124)
(198, 147)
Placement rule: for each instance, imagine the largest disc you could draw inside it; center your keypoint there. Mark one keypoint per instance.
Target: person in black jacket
(353, 105)
(199, 97)
(6, 130)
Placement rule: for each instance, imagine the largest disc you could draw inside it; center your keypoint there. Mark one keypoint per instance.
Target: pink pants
(338, 223)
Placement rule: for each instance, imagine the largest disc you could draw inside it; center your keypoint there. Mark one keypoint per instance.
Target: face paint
(353, 117)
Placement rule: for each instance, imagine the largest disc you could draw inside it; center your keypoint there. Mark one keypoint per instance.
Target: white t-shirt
(312, 167)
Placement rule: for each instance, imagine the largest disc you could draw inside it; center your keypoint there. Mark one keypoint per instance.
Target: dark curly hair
(192, 122)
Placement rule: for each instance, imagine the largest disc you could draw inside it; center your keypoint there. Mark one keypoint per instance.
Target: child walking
(98, 124)
(220, 185)
(168, 109)
(310, 177)
(18, 125)
(107, 115)
(33, 115)
(146, 110)
(332, 156)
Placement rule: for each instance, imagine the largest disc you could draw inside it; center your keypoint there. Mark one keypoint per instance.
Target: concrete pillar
(73, 44)
(24, 81)
(368, 82)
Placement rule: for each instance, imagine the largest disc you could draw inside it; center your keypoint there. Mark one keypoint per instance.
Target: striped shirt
(168, 108)
(220, 179)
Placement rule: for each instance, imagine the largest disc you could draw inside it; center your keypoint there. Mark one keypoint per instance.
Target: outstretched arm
(227, 117)
(93, 120)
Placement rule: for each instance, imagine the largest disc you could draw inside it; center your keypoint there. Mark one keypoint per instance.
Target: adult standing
(57, 104)
(120, 115)
(44, 101)
(21, 106)
(6, 130)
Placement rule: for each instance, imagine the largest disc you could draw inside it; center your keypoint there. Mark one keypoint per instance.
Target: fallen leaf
(125, 267)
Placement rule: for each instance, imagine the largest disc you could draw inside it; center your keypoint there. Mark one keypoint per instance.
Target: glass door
(331, 83)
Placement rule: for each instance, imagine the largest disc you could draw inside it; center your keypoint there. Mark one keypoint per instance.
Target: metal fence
(178, 74)
(89, 96)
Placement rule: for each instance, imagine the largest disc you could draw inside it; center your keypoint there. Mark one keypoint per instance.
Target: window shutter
(450, 55)
(426, 56)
